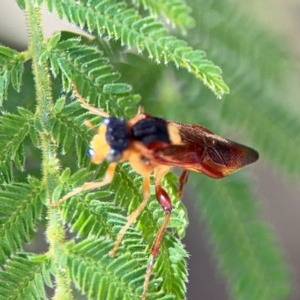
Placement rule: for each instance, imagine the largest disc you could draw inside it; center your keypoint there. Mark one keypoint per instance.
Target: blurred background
(279, 195)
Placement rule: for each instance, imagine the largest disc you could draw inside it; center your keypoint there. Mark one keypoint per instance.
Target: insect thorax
(151, 130)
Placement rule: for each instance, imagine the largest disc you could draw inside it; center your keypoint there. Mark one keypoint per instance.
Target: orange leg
(109, 175)
(132, 218)
(84, 104)
(165, 202)
(182, 181)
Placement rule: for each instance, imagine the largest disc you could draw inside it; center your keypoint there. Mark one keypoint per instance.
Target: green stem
(50, 164)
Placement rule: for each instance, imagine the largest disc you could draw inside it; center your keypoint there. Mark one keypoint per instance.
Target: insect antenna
(84, 104)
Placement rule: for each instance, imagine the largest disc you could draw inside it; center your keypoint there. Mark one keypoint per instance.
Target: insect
(153, 146)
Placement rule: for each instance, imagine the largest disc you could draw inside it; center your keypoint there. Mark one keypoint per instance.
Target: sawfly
(153, 145)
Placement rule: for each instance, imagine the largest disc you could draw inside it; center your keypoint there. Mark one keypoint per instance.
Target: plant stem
(50, 163)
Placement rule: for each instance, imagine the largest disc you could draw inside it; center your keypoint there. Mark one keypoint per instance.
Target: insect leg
(134, 215)
(84, 104)
(165, 202)
(182, 181)
(109, 175)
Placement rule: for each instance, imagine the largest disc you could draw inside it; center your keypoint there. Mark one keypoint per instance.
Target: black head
(117, 137)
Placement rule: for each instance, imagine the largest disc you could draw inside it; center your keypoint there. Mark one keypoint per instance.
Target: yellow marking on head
(99, 146)
(174, 134)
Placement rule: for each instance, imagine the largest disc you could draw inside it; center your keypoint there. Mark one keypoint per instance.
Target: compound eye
(90, 152)
(113, 156)
(106, 121)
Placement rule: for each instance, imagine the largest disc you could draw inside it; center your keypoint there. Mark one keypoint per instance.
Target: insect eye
(90, 152)
(106, 121)
(113, 156)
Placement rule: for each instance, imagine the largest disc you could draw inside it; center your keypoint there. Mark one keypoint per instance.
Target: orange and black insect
(153, 146)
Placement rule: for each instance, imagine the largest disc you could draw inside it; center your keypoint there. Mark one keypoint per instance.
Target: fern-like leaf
(101, 277)
(176, 12)
(92, 73)
(92, 270)
(11, 70)
(20, 209)
(67, 126)
(89, 216)
(4, 83)
(22, 279)
(245, 247)
(13, 130)
(119, 22)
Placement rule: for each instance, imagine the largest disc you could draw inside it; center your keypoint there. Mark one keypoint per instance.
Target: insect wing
(204, 152)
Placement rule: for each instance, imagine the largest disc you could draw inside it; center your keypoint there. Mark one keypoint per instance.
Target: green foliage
(92, 72)
(44, 148)
(259, 94)
(23, 278)
(21, 207)
(13, 130)
(100, 277)
(12, 67)
(120, 22)
(245, 244)
(176, 12)
(94, 272)
(90, 217)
